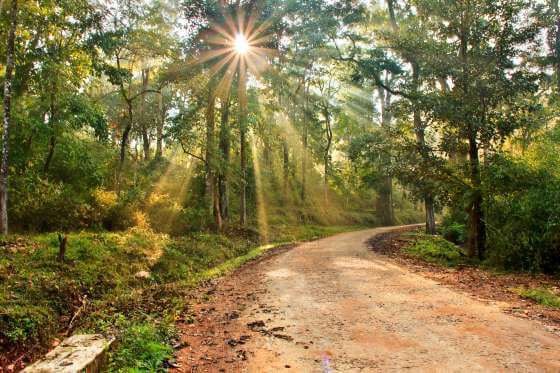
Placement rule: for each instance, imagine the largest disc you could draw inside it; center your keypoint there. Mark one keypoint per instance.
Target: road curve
(339, 307)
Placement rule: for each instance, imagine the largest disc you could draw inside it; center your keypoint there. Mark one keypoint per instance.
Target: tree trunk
(476, 241)
(286, 166)
(159, 129)
(52, 122)
(327, 155)
(8, 81)
(210, 174)
(384, 205)
(145, 137)
(556, 47)
(225, 149)
(62, 241)
(304, 147)
(52, 144)
(420, 129)
(430, 214)
(242, 94)
(124, 143)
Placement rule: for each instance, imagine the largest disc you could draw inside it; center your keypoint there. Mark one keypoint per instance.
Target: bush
(454, 232)
(523, 220)
(437, 250)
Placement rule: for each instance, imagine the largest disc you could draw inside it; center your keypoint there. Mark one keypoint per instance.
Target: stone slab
(78, 353)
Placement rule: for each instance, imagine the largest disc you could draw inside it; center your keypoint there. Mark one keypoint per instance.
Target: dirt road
(332, 305)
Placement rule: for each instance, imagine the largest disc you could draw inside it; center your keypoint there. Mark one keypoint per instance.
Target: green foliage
(454, 232)
(523, 220)
(143, 347)
(542, 296)
(40, 295)
(437, 250)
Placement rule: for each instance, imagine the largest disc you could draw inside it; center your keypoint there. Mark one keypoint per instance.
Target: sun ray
(262, 218)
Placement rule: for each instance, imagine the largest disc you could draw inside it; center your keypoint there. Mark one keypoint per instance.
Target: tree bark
(420, 129)
(144, 128)
(62, 241)
(52, 122)
(304, 141)
(476, 240)
(126, 134)
(50, 154)
(327, 154)
(242, 94)
(384, 204)
(556, 47)
(8, 81)
(225, 149)
(159, 129)
(210, 179)
(127, 129)
(286, 166)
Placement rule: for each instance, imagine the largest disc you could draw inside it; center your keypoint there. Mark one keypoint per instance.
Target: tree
(7, 119)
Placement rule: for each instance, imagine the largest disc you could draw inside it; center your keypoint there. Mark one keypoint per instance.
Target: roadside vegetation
(145, 143)
(131, 285)
(440, 250)
(543, 296)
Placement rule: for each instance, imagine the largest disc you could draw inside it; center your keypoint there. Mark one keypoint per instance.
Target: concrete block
(78, 353)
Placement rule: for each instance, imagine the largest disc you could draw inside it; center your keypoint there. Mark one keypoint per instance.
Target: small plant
(542, 296)
(143, 347)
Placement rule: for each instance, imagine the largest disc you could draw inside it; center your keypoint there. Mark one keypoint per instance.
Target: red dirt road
(332, 305)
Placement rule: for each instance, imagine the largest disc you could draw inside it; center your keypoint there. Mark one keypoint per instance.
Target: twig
(80, 309)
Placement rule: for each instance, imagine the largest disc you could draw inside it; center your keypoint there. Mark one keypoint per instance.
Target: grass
(39, 296)
(542, 296)
(436, 249)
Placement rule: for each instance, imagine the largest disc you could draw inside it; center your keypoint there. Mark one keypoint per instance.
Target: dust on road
(334, 306)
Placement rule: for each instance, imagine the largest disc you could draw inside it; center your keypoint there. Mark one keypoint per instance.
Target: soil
(482, 284)
(334, 305)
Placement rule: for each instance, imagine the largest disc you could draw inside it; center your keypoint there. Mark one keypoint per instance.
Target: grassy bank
(130, 285)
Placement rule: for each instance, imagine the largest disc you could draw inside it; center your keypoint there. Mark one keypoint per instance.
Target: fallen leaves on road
(481, 283)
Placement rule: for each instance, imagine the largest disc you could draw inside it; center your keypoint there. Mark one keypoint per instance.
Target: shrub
(437, 250)
(523, 220)
(143, 347)
(454, 232)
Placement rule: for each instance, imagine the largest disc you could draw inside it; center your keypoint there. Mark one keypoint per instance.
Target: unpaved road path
(332, 305)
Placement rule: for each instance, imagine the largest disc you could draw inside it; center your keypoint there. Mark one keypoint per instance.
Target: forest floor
(336, 305)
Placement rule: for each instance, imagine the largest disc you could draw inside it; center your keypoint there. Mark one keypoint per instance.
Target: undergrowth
(542, 296)
(436, 249)
(99, 287)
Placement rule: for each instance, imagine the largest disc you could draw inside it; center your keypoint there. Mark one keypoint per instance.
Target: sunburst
(240, 45)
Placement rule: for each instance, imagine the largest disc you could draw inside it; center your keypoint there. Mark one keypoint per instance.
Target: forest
(167, 138)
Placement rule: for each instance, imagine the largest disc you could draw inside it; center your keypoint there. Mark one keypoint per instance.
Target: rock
(142, 275)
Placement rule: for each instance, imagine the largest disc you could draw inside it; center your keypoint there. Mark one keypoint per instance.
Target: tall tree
(7, 118)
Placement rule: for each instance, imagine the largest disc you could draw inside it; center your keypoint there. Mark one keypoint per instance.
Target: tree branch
(191, 154)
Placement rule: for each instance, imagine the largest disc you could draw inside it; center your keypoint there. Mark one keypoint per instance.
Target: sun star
(241, 44)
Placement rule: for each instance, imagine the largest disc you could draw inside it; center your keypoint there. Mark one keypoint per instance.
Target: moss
(542, 296)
